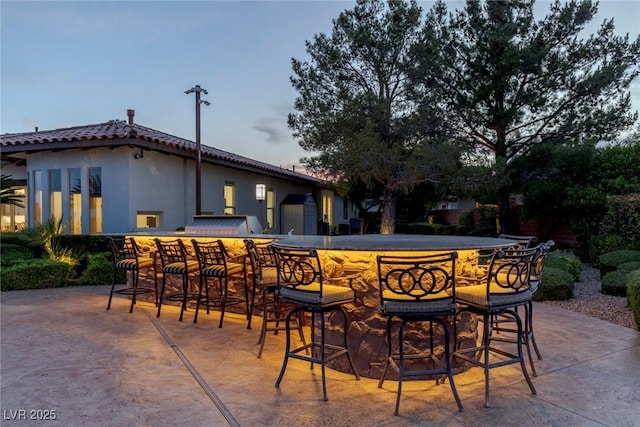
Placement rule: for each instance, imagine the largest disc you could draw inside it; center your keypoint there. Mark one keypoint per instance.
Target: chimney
(131, 114)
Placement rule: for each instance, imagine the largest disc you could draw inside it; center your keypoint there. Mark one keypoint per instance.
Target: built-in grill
(224, 225)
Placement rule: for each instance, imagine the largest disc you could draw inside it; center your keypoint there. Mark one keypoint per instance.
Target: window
(55, 194)
(148, 219)
(271, 208)
(327, 208)
(37, 197)
(229, 198)
(14, 218)
(95, 200)
(75, 201)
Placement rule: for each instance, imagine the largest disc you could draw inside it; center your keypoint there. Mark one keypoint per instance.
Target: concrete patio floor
(62, 351)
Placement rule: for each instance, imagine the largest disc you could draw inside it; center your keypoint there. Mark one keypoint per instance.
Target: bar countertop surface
(392, 242)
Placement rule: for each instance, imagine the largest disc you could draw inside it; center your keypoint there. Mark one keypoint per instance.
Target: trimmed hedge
(633, 295)
(35, 274)
(615, 283)
(13, 253)
(628, 267)
(565, 261)
(99, 270)
(604, 243)
(556, 285)
(610, 261)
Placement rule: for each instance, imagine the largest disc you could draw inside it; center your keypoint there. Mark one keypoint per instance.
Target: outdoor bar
(355, 255)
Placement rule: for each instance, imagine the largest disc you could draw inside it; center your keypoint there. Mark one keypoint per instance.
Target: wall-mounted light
(139, 155)
(261, 192)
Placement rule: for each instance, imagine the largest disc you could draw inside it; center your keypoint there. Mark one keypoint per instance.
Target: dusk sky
(76, 63)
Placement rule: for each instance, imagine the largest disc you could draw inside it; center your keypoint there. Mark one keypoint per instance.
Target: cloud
(274, 135)
(275, 127)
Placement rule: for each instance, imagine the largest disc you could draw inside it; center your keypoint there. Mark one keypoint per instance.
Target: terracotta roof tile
(116, 129)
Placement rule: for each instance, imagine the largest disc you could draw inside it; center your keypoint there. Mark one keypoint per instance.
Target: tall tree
(502, 82)
(353, 108)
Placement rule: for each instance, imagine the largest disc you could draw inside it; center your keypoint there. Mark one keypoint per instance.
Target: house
(120, 176)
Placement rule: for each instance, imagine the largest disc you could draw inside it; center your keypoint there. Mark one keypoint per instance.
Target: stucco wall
(153, 183)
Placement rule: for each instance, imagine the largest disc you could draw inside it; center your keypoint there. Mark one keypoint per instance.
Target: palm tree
(8, 195)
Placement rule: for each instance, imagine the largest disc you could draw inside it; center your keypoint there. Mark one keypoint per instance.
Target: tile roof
(101, 134)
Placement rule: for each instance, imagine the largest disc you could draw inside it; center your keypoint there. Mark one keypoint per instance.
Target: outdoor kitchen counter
(356, 254)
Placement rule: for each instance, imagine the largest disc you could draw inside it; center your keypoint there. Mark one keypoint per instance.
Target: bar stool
(175, 261)
(264, 277)
(528, 337)
(524, 242)
(300, 282)
(535, 281)
(215, 263)
(507, 288)
(128, 257)
(416, 289)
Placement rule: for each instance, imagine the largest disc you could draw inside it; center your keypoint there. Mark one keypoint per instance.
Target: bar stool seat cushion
(178, 267)
(310, 294)
(402, 303)
(478, 295)
(219, 270)
(534, 284)
(130, 264)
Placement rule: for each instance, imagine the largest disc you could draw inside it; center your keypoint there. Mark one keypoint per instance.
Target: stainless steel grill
(224, 225)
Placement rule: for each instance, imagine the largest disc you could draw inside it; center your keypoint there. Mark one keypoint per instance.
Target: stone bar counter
(347, 256)
(356, 254)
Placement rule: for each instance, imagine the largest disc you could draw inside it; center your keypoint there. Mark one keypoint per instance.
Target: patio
(62, 351)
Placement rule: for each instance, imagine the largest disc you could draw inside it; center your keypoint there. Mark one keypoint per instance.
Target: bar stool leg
(164, 280)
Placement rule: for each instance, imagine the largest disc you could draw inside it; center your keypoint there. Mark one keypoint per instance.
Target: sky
(74, 63)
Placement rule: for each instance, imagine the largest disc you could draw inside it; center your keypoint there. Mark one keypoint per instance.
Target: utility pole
(197, 89)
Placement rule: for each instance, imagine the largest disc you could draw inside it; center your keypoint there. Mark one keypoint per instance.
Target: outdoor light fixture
(139, 155)
(261, 192)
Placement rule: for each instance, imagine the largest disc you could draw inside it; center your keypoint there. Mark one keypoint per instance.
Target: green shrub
(633, 295)
(85, 243)
(35, 274)
(628, 267)
(488, 232)
(604, 243)
(565, 261)
(610, 261)
(466, 219)
(487, 216)
(615, 283)
(99, 270)
(556, 285)
(11, 238)
(623, 216)
(429, 228)
(14, 253)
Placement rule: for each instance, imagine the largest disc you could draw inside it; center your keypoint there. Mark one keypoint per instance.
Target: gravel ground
(587, 299)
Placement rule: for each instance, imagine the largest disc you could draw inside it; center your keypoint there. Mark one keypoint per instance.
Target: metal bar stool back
(300, 282)
(214, 262)
(264, 275)
(128, 257)
(524, 242)
(176, 261)
(507, 287)
(418, 289)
